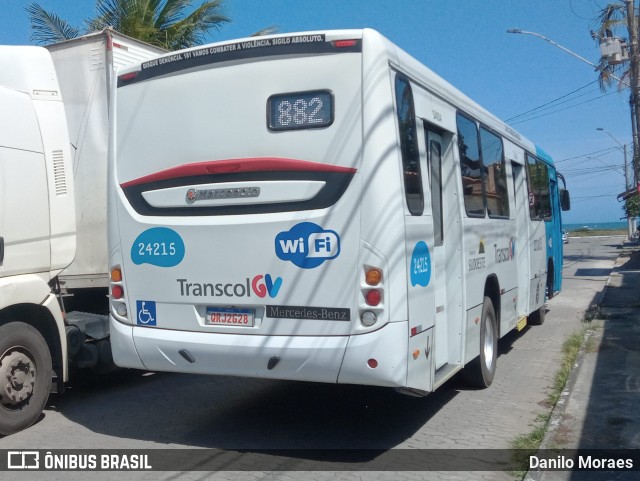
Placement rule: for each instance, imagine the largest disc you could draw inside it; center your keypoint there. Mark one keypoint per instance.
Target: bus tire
(550, 281)
(536, 318)
(25, 374)
(480, 372)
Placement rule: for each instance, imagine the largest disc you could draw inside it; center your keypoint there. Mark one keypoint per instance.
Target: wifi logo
(307, 245)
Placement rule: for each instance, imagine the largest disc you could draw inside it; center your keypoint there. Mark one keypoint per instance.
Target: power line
(560, 110)
(550, 102)
(591, 197)
(603, 152)
(575, 13)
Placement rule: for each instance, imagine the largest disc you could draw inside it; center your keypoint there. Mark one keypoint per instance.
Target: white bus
(318, 207)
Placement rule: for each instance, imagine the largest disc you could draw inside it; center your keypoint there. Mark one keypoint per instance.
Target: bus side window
(409, 146)
(495, 174)
(532, 184)
(435, 164)
(539, 189)
(545, 191)
(471, 167)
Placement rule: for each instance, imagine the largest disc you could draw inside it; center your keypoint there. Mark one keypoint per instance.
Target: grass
(570, 350)
(593, 232)
(531, 441)
(591, 345)
(527, 443)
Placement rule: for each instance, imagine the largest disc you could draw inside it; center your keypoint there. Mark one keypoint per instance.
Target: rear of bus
(235, 230)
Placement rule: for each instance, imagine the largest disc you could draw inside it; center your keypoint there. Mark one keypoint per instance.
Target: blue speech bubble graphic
(159, 246)
(307, 245)
(420, 265)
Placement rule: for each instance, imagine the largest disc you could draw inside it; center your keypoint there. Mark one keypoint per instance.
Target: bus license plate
(229, 317)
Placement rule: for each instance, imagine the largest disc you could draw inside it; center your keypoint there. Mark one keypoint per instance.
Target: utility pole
(573, 54)
(635, 86)
(631, 221)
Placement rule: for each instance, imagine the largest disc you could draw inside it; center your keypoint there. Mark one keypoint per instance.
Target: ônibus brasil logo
(260, 285)
(307, 245)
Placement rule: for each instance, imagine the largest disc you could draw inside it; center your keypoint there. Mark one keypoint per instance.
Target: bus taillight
(373, 277)
(128, 77)
(372, 289)
(373, 297)
(116, 275)
(117, 292)
(343, 43)
(368, 318)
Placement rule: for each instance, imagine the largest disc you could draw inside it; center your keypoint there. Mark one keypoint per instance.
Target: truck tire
(480, 372)
(25, 376)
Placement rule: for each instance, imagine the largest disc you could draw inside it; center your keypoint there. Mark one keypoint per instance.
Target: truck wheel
(480, 371)
(25, 376)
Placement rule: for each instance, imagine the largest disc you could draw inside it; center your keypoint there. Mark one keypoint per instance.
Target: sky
(466, 42)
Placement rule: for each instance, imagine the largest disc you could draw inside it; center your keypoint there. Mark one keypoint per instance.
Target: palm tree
(615, 17)
(164, 23)
(612, 18)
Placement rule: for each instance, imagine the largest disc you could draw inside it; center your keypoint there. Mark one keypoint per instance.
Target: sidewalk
(600, 406)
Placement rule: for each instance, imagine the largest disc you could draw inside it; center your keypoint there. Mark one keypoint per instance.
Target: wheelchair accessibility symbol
(146, 313)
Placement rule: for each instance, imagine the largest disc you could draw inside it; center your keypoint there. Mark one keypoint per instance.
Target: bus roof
(543, 155)
(316, 42)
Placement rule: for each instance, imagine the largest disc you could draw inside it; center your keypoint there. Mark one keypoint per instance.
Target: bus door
(555, 236)
(446, 258)
(420, 276)
(523, 260)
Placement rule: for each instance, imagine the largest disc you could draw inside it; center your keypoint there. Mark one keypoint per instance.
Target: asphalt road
(135, 410)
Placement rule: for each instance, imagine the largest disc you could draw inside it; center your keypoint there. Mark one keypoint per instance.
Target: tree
(631, 207)
(164, 23)
(614, 17)
(611, 19)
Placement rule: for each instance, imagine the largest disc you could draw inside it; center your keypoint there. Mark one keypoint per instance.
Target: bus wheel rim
(489, 344)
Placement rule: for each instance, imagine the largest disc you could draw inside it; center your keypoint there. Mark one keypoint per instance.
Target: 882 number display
(305, 110)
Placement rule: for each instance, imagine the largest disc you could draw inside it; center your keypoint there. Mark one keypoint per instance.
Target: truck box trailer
(85, 67)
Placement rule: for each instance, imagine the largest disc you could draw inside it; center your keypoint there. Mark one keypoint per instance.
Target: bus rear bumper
(331, 359)
(302, 358)
(386, 349)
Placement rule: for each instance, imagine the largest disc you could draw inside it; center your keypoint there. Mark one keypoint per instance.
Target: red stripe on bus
(233, 166)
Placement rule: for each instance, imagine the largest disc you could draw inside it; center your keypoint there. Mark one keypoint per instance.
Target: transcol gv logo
(307, 245)
(263, 285)
(505, 254)
(260, 285)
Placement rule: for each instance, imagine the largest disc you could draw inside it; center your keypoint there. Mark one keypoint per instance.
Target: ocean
(596, 226)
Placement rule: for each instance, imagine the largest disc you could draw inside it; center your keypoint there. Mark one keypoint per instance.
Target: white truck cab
(37, 232)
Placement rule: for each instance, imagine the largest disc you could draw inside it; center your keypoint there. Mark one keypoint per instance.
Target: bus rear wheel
(480, 372)
(550, 284)
(25, 376)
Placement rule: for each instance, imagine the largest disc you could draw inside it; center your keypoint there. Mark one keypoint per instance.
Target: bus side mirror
(565, 200)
